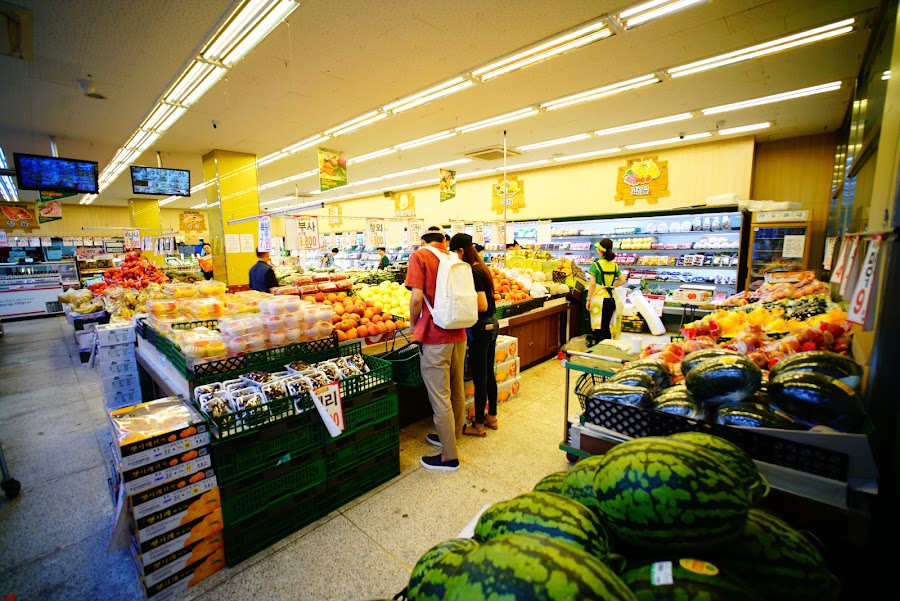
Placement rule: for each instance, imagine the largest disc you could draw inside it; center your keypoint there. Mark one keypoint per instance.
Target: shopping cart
(10, 486)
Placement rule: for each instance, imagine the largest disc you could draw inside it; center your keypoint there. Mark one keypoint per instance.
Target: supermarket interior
(236, 341)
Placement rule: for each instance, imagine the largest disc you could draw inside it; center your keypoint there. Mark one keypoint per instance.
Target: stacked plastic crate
(168, 509)
(505, 372)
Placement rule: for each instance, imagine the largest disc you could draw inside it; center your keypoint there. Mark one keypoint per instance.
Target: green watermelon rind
(579, 482)
(687, 584)
(734, 456)
(428, 578)
(551, 482)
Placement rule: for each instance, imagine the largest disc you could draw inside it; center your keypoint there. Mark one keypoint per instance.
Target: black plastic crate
(585, 384)
(637, 422)
(354, 448)
(266, 448)
(362, 478)
(260, 531)
(140, 327)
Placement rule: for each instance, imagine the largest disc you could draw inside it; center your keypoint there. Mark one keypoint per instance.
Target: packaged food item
(290, 320)
(292, 335)
(343, 285)
(330, 370)
(707, 224)
(297, 366)
(273, 322)
(162, 308)
(277, 338)
(238, 344)
(318, 378)
(303, 280)
(290, 303)
(257, 377)
(207, 389)
(215, 406)
(180, 290)
(276, 389)
(347, 367)
(297, 385)
(282, 290)
(255, 341)
(358, 360)
(308, 289)
(327, 287)
(205, 307)
(211, 288)
(321, 277)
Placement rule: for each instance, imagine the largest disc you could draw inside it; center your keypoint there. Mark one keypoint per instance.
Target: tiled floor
(53, 538)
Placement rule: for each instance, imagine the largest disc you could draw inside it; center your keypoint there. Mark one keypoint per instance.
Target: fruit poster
(191, 221)
(48, 206)
(643, 178)
(18, 217)
(448, 184)
(332, 169)
(404, 204)
(508, 194)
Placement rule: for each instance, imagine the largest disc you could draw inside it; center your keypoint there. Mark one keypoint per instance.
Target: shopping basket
(405, 363)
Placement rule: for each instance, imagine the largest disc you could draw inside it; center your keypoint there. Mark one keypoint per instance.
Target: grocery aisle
(53, 537)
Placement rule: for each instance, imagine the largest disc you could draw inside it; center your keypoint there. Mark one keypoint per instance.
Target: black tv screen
(160, 182)
(54, 174)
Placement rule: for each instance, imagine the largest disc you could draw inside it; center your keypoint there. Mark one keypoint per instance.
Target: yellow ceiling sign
(645, 178)
(404, 204)
(508, 195)
(335, 216)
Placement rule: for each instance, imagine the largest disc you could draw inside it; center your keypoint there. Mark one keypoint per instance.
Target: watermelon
(579, 482)
(678, 401)
(826, 363)
(622, 394)
(656, 369)
(551, 482)
(634, 377)
(535, 568)
(815, 399)
(734, 457)
(547, 514)
(664, 494)
(428, 579)
(780, 561)
(686, 579)
(725, 379)
(692, 360)
(753, 415)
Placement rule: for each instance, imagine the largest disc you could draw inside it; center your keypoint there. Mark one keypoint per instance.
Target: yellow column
(235, 196)
(144, 216)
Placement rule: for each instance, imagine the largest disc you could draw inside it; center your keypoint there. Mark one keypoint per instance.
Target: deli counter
(28, 289)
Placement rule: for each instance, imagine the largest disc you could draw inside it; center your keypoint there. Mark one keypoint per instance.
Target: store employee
(262, 276)
(384, 259)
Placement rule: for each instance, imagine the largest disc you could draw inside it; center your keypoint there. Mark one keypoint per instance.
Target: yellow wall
(695, 172)
(76, 217)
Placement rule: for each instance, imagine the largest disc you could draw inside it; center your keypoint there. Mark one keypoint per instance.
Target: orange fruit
(364, 321)
(389, 326)
(380, 327)
(351, 335)
(368, 313)
(331, 297)
(341, 296)
(376, 310)
(339, 309)
(362, 331)
(336, 319)
(341, 336)
(373, 330)
(377, 319)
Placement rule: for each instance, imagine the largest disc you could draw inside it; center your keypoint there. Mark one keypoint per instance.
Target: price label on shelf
(307, 232)
(478, 233)
(862, 294)
(328, 402)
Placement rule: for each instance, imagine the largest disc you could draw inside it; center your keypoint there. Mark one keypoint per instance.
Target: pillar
(144, 215)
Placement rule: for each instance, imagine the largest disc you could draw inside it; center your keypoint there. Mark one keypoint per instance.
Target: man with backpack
(443, 304)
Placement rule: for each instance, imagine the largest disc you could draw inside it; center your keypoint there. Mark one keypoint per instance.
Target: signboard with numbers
(478, 233)
(264, 232)
(457, 226)
(865, 284)
(307, 232)
(375, 232)
(132, 239)
(328, 401)
(414, 229)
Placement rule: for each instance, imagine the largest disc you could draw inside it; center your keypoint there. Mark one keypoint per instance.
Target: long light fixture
(642, 124)
(527, 165)
(452, 163)
(372, 155)
(554, 142)
(602, 92)
(675, 140)
(766, 48)
(446, 88)
(87, 199)
(498, 120)
(802, 92)
(647, 11)
(356, 123)
(202, 205)
(290, 178)
(552, 47)
(744, 128)
(441, 135)
(304, 144)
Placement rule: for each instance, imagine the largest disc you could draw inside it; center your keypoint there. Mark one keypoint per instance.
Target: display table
(540, 331)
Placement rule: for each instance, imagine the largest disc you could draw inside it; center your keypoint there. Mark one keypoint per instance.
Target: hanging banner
(498, 234)
(543, 233)
(395, 231)
(17, 217)
(457, 226)
(191, 221)
(308, 232)
(77, 241)
(291, 234)
(374, 233)
(646, 178)
(414, 231)
(478, 232)
(862, 295)
(849, 264)
(48, 206)
(830, 243)
(132, 239)
(335, 218)
(404, 204)
(508, 194)
(264, 233)
(332, 169)
(448, 184)
(838, 274)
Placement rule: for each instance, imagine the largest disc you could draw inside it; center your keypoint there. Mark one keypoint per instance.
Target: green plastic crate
(405, 364)
(257, 493)
(246, 422)
(362, 478)
(265, 448)
(354, 448)
(365, 416)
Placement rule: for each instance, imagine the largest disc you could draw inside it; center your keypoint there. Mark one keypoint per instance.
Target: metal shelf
(647, 234)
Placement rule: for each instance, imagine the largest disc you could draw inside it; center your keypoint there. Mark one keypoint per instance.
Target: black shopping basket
(405, 363)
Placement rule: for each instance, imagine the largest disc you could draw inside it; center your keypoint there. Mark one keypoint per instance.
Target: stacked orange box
(506, 373)
(169, 499)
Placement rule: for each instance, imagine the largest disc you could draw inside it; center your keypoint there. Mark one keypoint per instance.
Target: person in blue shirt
(328, 258)
(262, 276)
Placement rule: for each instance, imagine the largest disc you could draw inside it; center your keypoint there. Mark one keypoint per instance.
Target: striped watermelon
(551, 482)
(547, 514)
(734, 457)
(579, 482)
(428, 579)
(663, 494)
(531, 567)
(781, 562)
(686, 580)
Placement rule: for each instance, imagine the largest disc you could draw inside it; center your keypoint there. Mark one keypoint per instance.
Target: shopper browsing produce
(385, 261)
(206, 262)
(328, 258)
(483, 345)
(604, 277)
(443, 353)
(262, 276)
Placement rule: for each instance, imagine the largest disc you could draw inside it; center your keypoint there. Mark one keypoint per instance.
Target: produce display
(806, 286)
(81, 301)
(656, 518)
(135, 271)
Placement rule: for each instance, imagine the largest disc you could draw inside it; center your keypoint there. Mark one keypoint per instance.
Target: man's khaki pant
(443, 368)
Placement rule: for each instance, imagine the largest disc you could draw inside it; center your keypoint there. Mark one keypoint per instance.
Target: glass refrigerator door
(776, 248)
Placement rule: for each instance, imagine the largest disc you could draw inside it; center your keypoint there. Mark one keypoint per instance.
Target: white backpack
(455, 300)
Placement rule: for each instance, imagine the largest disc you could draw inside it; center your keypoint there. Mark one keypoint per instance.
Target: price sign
(328, 402)
(498, 234)
(34, 242)
(395, 230)
(478, 232)
(829, 251)
(862, 295)
(77, 241)
(375, 232)
(308, 232)
(265, 233)
(543, 232)
(46, 241)
(414, 229)
(348, 239)
(849, 262)
(132, 239)
(657, 302)
(457, 226)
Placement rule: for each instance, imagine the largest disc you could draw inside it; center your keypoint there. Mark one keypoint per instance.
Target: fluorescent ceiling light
(367, 181)
(142, 140)
(201, 186)
(651, 10)
(557, 45)
(372, 155)
(602, 92)
(820, 89)
(586, 155)
(277, 200)
(424, 182)
(426, 139)
(10, 193)
(87, 199)
(356, 123)
(886, 75)
(401, 173)
(202, 205)
(270, 158)
(168, 200)
(744, 128)
(555, 142)
(642, 124)
(446, 164)
(169, 121)
(674, 140)
(771, 47)
(443, 89)
(506, 118)
(259, 31)
(304, 144)
(526, 165)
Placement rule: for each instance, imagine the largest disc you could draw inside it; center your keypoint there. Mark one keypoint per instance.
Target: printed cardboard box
(115, 352)
(180, 537)
(507, 348)
(175, 585)
(115, 333)
(118, 367)
(148, 432)
(154, 474)
(506, 370)
(111, 384)
(157, 499)
(174, 516)
(123, 398)
(506, 391)
(159, 570)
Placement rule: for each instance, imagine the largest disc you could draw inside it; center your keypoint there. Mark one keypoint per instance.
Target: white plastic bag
(643, 306)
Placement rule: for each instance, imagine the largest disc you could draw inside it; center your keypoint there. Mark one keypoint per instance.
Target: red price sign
(330, 397)
(862, 295)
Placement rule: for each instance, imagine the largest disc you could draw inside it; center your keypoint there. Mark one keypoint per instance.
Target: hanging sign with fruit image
(508, 194)
(448, 184)
(18, 217)
(404, 205)
(645, 177)
(332, 169)
(48, 208)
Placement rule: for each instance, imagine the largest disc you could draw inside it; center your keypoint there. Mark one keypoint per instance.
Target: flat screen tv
(54, 174)
(160, 182)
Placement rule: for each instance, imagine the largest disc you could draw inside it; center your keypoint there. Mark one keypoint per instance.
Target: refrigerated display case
(28, 289)
(779, 242)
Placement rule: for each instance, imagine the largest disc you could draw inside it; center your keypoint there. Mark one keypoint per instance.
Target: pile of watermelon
(655, 518)
(803, 391)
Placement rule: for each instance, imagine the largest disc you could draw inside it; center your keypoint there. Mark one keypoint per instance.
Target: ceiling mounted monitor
(53, 174)
(156, 181)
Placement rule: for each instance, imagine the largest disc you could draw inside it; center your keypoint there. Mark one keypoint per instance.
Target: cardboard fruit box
(160, 570)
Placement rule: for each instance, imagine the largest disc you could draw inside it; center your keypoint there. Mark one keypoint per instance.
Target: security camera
(215, 125)
(681, 136)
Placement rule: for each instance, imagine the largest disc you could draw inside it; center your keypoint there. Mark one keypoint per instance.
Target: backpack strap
(441, 257)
